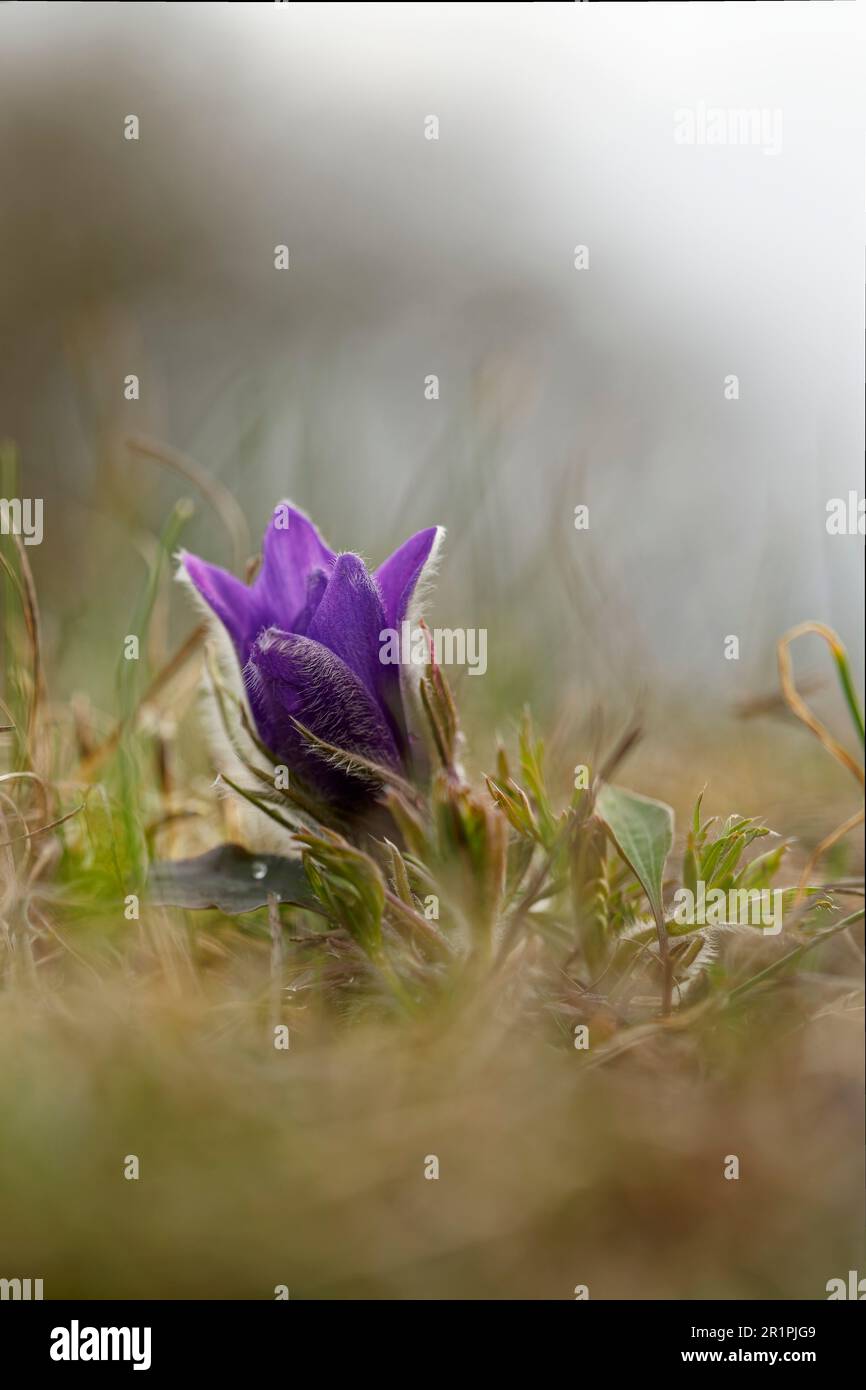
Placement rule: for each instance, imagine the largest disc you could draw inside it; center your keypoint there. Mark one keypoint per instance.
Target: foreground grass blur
(306, 1167)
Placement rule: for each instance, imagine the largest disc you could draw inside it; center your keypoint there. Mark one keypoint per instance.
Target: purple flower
(307, 634)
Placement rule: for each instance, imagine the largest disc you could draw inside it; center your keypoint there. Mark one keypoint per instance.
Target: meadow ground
(559, 1168)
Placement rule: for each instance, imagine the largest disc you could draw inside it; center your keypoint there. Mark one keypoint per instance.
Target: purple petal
(233, 603)
(349, 619)
(317, 583)
(399, 574)
(292, 550)
(287, 677)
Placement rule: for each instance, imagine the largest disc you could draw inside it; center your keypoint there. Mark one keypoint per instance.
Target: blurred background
(304, 124)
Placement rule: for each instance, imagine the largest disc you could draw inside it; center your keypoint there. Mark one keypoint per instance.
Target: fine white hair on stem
(260, 830)
(410, 674)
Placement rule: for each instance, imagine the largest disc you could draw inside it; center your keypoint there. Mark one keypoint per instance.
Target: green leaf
(643, 832)
(761, 872)
(849, 690)
(696, 820)
(348, 883)
(690, 867)
(231, 879)
(532, 768)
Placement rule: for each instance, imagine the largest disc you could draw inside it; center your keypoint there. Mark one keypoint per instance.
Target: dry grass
(306, 1167)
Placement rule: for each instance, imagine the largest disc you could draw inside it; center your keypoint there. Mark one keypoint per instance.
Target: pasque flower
(307, 635)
